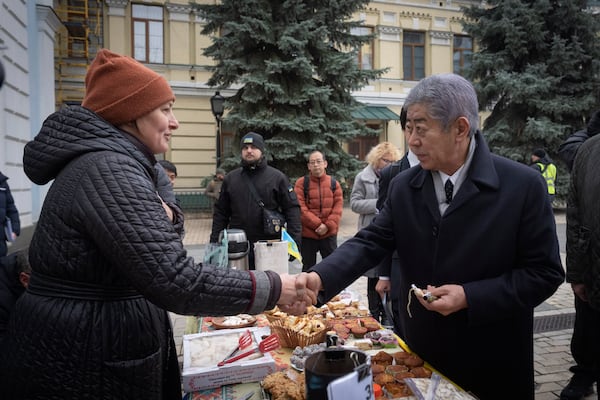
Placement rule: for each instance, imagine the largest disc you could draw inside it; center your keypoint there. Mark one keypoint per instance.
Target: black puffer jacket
(237, 208)
(583, 221)
(568, 149)
(107, 263)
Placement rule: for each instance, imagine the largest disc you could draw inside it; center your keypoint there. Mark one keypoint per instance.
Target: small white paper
(348, 387)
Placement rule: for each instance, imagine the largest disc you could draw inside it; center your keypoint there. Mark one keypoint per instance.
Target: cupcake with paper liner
(413, 361)
(382, 358)
(377, 369)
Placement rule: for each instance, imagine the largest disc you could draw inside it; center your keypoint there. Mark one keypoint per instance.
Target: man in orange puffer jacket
(321, 203)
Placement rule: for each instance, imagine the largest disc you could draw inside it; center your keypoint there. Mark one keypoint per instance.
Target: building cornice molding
(379, 99)
(440, 35)
(370, 10)
(179, 12)
(441, 38)
(117, 3)
(116, 7)
(389, 33)
(182, 88)
(412, 14)
(47, 19)
(389, 30)
(197, 18)
(450, 5)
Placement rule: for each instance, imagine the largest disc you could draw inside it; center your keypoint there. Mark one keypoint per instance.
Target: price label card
(354, 386)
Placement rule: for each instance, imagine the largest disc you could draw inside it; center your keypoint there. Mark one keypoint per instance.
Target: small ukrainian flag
(292, 246)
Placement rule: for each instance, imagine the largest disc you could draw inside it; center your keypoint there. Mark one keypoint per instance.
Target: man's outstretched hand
(298, 292)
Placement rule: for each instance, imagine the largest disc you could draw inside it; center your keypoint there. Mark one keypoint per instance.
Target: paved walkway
(551, 347)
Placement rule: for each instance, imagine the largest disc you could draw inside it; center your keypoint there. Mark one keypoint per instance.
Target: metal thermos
(323, 367)
(237, 249)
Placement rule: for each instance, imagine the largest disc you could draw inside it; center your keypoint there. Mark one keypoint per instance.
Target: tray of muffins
(391, 369)
(404, 375)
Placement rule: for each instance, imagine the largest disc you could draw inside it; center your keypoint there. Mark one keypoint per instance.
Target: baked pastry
(400, 356)
(400, 376)
(282, 387)
(363, 344)
(372, 326)
(392, 369)
(413, 361)
(395, 390)
(377, 369)
(421, 372)
(358, 331)
(382, 379)
(382, 357)
(340, 328)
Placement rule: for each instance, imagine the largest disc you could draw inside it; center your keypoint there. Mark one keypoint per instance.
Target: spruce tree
(295, 62)
(537, 70)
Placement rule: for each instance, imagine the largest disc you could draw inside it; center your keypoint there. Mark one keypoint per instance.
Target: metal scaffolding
(77, 43)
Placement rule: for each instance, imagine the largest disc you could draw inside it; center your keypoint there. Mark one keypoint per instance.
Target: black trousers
(375, 303)
(585, 343)
(310, 248)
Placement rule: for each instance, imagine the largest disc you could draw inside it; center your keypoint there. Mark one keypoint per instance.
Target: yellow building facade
(413, 39)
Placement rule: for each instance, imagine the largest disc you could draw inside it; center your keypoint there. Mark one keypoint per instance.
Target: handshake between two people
(298, 292)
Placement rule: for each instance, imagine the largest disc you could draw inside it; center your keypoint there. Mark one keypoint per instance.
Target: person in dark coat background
(170, 169)
(237, 208)
(14, 278)
(363, 201)
(486, 246)
(583, 265)
(390, 264)
(213, 188)
(107, 260)
(166, 174)
(8, 212)
(568, 149)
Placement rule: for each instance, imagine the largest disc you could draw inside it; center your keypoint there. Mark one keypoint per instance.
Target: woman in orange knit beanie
(107, 260)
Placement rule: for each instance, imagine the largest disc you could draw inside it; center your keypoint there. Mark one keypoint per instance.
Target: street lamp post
(217, 106)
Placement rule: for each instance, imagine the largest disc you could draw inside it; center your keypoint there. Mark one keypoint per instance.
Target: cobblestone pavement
(552, 356)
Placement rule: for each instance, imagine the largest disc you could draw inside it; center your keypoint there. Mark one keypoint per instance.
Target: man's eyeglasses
(316, 162)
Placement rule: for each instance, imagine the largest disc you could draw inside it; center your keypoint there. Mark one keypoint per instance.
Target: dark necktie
(448, 188)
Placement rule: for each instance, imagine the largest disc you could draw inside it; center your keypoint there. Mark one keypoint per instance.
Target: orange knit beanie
(120, 89)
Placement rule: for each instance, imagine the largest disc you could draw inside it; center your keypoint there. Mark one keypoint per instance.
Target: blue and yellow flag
(292, 246)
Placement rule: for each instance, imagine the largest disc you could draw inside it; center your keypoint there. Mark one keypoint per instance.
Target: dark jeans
(375, 304)
(585, 343)
(310, 248)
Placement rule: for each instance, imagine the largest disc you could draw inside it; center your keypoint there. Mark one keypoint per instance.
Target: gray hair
(447, 97)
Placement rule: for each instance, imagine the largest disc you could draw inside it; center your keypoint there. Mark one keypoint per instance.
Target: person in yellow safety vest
(544, 164)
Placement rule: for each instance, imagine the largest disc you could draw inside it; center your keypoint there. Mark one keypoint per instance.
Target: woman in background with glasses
(363, 201)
